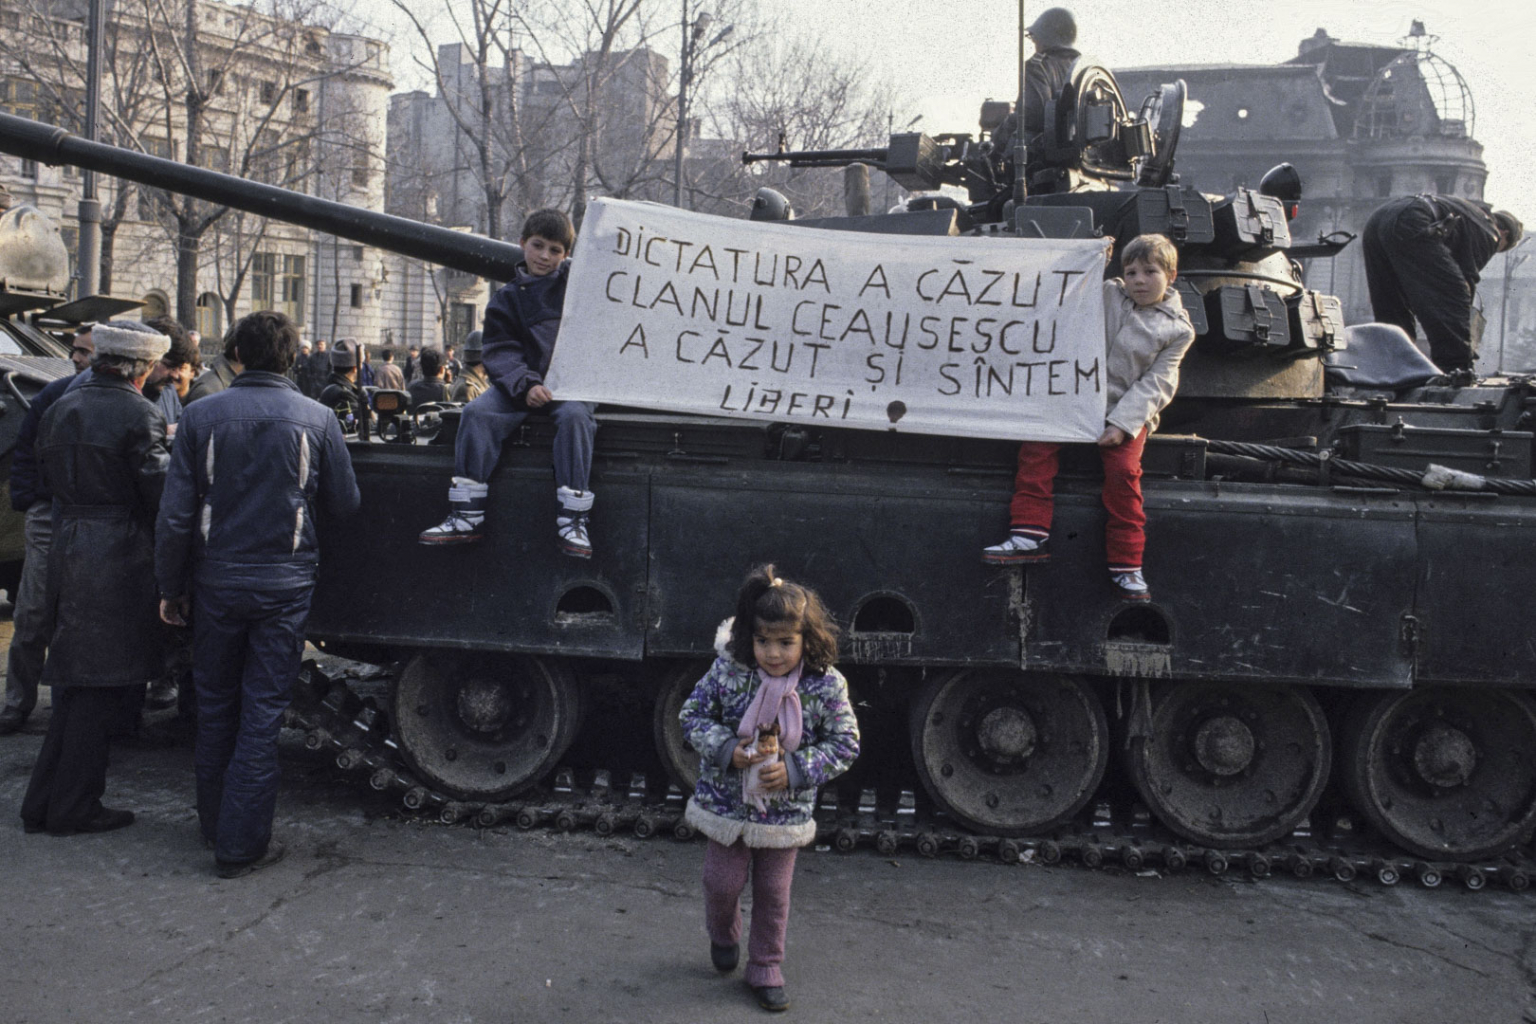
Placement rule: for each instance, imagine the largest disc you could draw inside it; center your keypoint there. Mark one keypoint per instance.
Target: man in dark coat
(236, 543)
(220, 374)
(1423, 258)
(32, 618)
(102, 451)
(429, 387)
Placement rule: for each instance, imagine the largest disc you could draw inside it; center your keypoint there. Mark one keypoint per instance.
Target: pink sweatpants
(725, 876)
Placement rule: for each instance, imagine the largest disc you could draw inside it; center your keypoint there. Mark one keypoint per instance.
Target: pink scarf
(776, 699)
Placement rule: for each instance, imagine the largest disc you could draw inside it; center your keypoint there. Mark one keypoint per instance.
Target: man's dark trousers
(71, 770)
(1412, 274)
(246, 651)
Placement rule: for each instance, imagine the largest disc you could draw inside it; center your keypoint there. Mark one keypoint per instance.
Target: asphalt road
(378, 918)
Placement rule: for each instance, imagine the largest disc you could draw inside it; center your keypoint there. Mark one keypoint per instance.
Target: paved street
(377, 918)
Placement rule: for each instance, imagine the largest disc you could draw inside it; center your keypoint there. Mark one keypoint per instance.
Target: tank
(1340, 541)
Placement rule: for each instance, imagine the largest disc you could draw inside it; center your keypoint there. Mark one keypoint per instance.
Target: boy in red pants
(1147, 333)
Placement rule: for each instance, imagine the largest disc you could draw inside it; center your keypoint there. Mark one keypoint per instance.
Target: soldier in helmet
(1423, 258)
(1046, 73)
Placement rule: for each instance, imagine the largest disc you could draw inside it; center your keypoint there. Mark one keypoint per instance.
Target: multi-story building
(1362, 123)
(531, 130)
(282, 101)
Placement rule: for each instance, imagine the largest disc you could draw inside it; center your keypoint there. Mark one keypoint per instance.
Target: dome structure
(1417, 94)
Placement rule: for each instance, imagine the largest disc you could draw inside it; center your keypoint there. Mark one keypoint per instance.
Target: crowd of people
(172, 544)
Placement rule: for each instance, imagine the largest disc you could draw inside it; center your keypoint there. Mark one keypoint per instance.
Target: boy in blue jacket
(521, 323)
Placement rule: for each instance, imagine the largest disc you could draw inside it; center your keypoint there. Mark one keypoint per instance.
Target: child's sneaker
(1132, 585)
(571, 523)
(467, 500)
(1019, 548)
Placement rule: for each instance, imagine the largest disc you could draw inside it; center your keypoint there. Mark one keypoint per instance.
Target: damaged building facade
(1362, 123)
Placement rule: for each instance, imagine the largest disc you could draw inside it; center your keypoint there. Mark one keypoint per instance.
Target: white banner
(979, 337)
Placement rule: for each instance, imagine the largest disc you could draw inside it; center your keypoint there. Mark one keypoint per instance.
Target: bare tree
(47, 49)
(798, 90)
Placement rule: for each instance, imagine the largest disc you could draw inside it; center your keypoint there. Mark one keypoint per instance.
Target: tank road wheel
(680, 759)
(484, 726)
(1229, 766)
(1008, 754)
(1445, 773)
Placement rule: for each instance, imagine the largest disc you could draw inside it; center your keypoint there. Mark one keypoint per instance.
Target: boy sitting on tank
(521, 324)
(1146, 333)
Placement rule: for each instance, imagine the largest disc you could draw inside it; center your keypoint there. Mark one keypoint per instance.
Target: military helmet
(473, 347)
(770, 204)
(1054, 27)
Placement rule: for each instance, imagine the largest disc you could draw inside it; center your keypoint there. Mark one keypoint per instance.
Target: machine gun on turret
(1091, 143)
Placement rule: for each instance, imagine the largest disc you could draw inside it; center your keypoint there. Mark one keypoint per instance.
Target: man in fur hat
(103, 454)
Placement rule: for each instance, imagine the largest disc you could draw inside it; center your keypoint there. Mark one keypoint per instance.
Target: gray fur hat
(129, 340)
(343, 354)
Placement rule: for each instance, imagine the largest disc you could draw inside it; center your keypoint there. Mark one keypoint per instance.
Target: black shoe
(771, 997)
(725, 958)
(106, 819)
(241, 868)
(11, 720)
(162, 694)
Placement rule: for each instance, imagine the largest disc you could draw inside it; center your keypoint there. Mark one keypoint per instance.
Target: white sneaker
(467, 500)
(454, 530)
(1019, 548)
(571, 523)
(1132, 585)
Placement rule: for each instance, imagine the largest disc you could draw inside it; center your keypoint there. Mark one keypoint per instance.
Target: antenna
(1020, 147)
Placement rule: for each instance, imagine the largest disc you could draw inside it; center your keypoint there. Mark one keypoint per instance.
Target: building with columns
(1361, 122)
(282, 101)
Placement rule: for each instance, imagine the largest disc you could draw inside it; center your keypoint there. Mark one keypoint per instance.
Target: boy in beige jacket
(1147, 333)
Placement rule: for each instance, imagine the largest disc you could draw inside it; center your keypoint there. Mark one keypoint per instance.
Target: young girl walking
(772, 723)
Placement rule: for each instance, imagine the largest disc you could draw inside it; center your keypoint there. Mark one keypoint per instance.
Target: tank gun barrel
(821, 157)
(473, 254)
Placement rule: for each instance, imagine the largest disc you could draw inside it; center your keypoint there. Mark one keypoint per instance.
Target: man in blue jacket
(236, 545)
(521, 324)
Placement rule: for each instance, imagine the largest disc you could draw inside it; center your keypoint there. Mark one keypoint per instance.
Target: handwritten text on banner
(979, 337)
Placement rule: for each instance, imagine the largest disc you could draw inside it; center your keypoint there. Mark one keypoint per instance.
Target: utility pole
(693, 34)
(88, 251)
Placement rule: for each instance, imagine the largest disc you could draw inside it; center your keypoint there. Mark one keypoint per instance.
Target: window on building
(209, 305)
(357, 254)
(292, 288)
(215, 81)
(156, 303)
(300, 101)
(19, 97)
(461, 320)
(263, 279)
(360, 170)
(268, 92)
(357, 296)
(215, 158)
(1445, 184)
(1384, 185)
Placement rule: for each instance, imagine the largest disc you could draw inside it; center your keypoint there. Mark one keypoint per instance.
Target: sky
(945, 56)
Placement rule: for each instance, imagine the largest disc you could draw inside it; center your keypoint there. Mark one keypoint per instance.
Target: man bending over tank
(521, 323)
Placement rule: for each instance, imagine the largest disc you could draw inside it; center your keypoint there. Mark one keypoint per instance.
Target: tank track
(333, 718)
